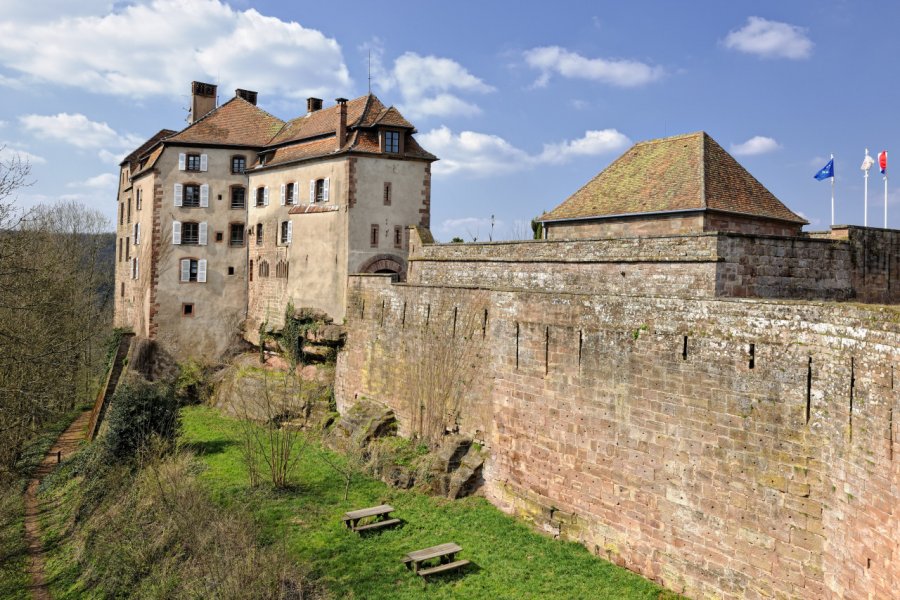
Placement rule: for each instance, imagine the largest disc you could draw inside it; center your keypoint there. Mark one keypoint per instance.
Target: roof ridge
(703, 201)
(203, 118)
(670, 138)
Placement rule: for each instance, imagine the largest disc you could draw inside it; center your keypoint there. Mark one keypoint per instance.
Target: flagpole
(885, 198)
(866, 195)
(832, 194)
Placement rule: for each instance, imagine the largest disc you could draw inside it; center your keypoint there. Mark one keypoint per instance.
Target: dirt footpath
(65, 446)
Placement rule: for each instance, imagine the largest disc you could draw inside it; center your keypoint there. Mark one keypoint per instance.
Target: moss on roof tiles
(685, 172)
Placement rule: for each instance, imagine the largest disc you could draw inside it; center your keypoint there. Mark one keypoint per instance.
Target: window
(263, 268)
(122, 290)
(138, 200)
(129, 211)
(289, 193)
(286, 232)
(190, 233)
(187, 309)
(238, 197)
(398, 236)
(193, 270)
(261, 196)
(134, 268)
(191, 196)
(120, 250)
(259, 234)
(236, 234)
(192, 162)
(374, 238)
(121, 213)
(250, 272)
(127, 248)
(387, 193)
(320, 190)
(281, 269)
(392, 141)
(238, 164)
(231, 270)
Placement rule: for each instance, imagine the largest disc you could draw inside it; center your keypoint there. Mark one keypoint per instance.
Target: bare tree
(442, 354)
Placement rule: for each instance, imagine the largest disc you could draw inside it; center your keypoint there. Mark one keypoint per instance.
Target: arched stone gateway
(385, 263)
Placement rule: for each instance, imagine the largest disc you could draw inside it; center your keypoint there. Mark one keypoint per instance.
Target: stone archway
(385, 263)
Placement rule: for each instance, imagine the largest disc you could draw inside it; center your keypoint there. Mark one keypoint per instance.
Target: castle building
(214, 236)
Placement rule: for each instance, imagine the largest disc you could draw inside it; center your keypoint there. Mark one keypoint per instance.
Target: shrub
(192, 385)
(140, 410)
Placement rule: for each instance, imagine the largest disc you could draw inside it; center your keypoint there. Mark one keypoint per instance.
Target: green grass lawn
(510, 560)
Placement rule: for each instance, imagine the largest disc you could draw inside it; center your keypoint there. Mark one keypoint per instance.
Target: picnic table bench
(444, 552)
(379, 514)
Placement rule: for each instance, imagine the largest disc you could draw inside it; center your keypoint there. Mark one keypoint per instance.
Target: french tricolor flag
(882, 161)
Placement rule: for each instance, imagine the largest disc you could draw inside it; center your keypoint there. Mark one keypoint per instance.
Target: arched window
(263, 268)
(281, 269)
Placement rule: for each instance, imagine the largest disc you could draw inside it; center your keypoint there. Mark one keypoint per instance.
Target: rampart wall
(725, 447)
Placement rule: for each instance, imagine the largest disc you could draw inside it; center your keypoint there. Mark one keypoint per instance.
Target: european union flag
(826, 171)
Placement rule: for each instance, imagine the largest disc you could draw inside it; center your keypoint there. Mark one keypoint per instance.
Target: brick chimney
(203, 100)
(247, 95)
(313, 104)
(342, 122)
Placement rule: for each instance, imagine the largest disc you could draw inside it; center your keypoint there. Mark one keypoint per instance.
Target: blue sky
(524, 102)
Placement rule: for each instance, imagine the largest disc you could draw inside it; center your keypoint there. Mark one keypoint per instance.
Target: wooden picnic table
(444, 552)
(377, 513)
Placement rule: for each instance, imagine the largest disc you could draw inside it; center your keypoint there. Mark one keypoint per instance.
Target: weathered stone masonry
(725, 447)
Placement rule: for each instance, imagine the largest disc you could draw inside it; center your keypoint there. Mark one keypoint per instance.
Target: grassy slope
(511, 560)
(13, 553)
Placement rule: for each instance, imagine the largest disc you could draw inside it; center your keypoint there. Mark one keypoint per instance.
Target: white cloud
(8, 150)
(102, 181)
(592, 144)
(758, 144)
(770, 39)
(618, 72)
(112, 158)
(482, 154)
(157, 48)
(77, 130)
(428, 85)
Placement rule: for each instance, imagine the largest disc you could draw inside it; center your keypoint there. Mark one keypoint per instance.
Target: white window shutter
(201, 270)
(282, 194)
(185, 269)
(179, 194)
(182, 161)
(137, 268)
(296, 192)
(204, 195)
(290, 231)
(204, 162)
(266, 196)
(176, 232)
(202, 233)
(326, 189)
(312, 191)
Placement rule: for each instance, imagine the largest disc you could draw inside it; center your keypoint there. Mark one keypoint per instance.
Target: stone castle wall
(725, 447)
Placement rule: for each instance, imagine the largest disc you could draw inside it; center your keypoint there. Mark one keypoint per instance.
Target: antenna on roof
(370, 70)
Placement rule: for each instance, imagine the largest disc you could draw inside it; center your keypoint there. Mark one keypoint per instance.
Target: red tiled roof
(321, 122)
(686, 172)
(392, 118)
(146, 146)
(235, 123)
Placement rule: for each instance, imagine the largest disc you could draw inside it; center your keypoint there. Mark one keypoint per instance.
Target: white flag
(867, 163)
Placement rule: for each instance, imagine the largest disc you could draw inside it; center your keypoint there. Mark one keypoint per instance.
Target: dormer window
(392, 142)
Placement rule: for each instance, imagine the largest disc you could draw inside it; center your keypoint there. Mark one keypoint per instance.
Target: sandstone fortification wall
(725, 447)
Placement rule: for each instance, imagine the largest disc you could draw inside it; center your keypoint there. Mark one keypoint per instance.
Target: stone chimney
(247, 95)
(313, 104)
(342, 122)
(203, 100)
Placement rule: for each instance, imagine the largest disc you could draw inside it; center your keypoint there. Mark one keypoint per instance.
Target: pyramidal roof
(680, 173)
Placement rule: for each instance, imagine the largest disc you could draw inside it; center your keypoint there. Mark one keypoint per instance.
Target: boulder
(364, 422)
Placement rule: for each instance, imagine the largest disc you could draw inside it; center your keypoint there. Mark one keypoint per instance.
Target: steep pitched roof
(146, 146)
(320, 122)
(685, 172)
(235, 123)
